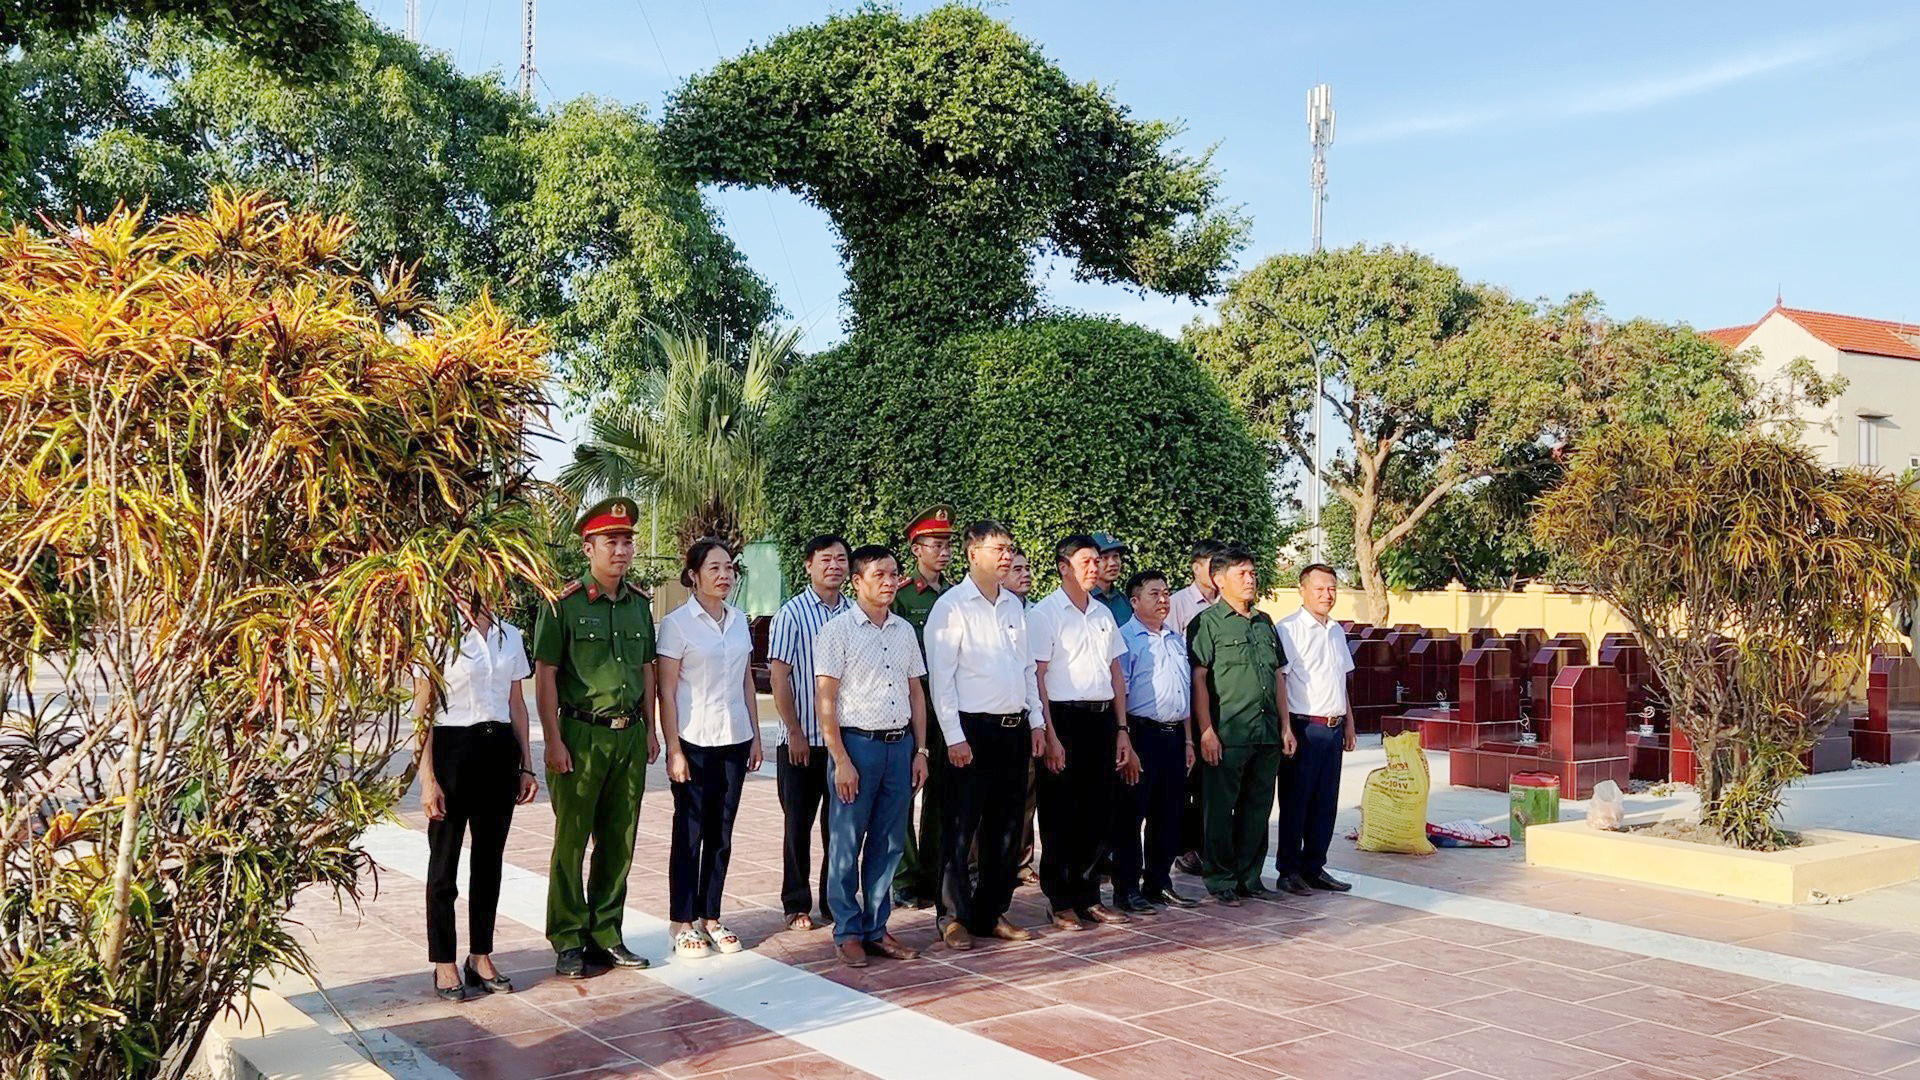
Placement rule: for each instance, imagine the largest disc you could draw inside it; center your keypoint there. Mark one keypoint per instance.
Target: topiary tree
(240, 488)
(1035, 437)
(1756, 577)
(947, 149)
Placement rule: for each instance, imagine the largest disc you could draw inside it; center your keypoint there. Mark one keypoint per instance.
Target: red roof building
(1876, 421)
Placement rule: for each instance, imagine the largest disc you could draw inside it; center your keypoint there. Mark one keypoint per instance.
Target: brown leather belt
(1329, 721)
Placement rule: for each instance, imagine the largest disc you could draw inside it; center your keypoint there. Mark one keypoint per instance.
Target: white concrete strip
(859, 1029)
(1735, 959)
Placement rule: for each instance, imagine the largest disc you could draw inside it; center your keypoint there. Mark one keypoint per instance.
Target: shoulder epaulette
(572, 587)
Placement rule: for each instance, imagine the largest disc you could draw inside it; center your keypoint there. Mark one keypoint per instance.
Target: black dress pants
(478, 768)
(1309, 798)
(803, 798)
(703, 810)
(1159, 799)
(1076, 805)
(984, 801)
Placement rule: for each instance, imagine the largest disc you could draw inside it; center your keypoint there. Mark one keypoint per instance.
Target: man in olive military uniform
(593, 681)
(930, 537)
(1239, 701)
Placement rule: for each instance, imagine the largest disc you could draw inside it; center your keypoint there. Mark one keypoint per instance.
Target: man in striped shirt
(801, 765)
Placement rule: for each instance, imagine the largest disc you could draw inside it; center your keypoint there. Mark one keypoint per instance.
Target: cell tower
(1320, 130)
(527, 71)
(413, 20)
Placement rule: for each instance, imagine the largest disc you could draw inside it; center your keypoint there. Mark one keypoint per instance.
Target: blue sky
(1680, 160)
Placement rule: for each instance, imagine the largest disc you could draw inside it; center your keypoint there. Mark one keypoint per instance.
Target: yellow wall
(1459, 609)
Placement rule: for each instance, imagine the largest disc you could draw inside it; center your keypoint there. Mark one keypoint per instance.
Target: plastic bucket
(1534, 799)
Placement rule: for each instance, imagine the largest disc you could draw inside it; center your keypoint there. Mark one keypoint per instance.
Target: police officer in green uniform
(593, 681)
(1239, 706)
(930, 537)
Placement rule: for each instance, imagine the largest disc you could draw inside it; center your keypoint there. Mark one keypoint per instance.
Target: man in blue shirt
(801, 769)
(1159, 705)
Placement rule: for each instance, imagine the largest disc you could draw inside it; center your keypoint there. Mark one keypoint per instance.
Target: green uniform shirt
(1243, 657)
(600, 644)
(914, 602)
(1117, 602)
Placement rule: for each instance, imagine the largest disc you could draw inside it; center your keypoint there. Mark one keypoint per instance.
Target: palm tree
(691, 438)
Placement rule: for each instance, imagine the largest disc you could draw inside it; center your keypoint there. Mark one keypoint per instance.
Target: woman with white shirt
(473, 771)
(711, 723)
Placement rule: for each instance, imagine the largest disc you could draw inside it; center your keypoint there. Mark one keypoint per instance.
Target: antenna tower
(527, 71)
(1320, 131)
(413, 20)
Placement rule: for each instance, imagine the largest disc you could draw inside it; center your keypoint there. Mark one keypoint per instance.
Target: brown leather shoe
(851, 954)
(956, 936)
(1064, 919)
(889, 947)
(1006, 930)
(1103, 914)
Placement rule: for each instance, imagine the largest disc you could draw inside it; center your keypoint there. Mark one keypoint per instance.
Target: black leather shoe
(1328, 883)
(1170, 898)
(1136, 904)
(456, 992)
(1256, 891)
(1295, 884)
(571, 964)
(1188, 862)
(499, 984)
(1226, 898)
(619, 956)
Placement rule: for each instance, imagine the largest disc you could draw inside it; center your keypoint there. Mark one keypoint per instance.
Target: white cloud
(1646, 91)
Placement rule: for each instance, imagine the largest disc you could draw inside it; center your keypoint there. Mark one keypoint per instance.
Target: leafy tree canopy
(1020, 424)
(948, 150)
(565, 217)
(1438, 382)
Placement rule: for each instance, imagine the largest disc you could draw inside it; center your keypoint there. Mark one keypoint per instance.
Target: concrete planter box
(1833, 863)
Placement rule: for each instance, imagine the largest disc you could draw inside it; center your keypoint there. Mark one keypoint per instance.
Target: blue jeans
(867, 835)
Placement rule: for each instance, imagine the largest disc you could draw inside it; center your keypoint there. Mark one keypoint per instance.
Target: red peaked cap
(610, 515)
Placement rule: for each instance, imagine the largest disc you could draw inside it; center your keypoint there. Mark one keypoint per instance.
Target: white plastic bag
(1608, 807)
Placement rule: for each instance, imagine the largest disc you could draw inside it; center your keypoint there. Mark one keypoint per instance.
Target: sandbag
(1393, 806)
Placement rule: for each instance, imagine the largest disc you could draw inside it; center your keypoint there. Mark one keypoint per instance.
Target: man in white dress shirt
(1317, 664)
(1077, 649)
(980, 672)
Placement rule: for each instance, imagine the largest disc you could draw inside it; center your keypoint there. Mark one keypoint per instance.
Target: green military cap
(608, 516)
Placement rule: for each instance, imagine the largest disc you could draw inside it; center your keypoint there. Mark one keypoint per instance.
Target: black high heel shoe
(498, 985)
(456, 992)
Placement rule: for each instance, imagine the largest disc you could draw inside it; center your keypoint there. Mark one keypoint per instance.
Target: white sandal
(724, 939)
(692, 944)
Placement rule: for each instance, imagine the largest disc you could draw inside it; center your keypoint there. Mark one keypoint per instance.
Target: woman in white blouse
(473, 771)
(711, 723)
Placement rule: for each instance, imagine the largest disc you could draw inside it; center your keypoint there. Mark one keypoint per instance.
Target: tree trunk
(1366, 558)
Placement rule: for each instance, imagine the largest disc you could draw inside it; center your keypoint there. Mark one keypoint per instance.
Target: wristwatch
(922, 751)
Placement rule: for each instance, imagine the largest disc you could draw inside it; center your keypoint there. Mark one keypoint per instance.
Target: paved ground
(1462, 965)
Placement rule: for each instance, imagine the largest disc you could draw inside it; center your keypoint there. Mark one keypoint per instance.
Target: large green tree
(948, 150)
(565, 216)
(1433, 383)
(1021, 423)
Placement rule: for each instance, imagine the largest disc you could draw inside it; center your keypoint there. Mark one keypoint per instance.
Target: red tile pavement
(1321, 986)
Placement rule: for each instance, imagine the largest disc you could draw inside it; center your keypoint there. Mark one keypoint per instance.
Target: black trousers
(1075, 805)
(803, 793)
(1159, 800)
(1309, 797)
(983, 802)
(1192, 810)
(478, 768)
(703, 810)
